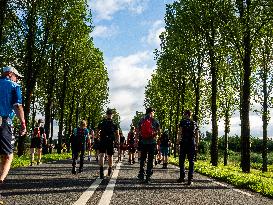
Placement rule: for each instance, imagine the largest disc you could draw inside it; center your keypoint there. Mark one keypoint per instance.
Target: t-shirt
(107, 129)
(10, 95)
(188, 130)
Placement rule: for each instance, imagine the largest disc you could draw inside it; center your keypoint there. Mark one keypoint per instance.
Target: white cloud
(128, 77)
(153, 34)
(104, 31)
(105, 9)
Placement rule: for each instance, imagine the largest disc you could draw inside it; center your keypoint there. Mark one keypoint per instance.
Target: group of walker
(146, 137)
(107, 133)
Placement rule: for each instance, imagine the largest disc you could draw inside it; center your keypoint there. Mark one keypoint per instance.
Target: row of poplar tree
(215, 59)
(50, 43)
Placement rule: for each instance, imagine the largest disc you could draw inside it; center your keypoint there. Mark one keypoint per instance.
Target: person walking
(148, 128)
(78, 145)
(164, 144)
(38, 139)
(131, 142)
(188, 139)
(108, 133)
(10, 104)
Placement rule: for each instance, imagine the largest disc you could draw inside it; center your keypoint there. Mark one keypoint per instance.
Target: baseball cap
(13, 70)
(149, 110)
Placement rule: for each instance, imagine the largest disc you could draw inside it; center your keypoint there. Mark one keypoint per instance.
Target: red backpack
(146, 129)
(36, 132)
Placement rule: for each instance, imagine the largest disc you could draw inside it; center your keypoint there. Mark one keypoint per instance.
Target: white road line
(234, 189)
(243, 192)
(109, 191)
(88, 193)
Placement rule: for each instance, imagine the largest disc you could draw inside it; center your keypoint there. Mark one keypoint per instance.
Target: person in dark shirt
(78, 141)
(108, 133)
(164, 144)
(188, 139)
(38, 138)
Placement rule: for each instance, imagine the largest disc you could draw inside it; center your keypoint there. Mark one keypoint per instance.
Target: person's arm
(196, 138)
(179, 135)
(117, 136)
(19, 111)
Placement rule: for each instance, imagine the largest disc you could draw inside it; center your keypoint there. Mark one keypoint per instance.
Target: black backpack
(108, 129)
(164, 140)
(188, 129)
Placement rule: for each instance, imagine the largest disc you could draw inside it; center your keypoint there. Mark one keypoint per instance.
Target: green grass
(256, 180)
(24, 160)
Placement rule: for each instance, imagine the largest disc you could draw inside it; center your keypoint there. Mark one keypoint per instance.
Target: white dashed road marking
(109, 191)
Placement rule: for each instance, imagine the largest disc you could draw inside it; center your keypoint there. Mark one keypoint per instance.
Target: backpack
(108, 129)
(131, 139)
(188, 130)
(36, 132)
(164, 141)
(146, 129)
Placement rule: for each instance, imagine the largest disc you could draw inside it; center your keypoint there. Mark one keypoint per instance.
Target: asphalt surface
(53, 183)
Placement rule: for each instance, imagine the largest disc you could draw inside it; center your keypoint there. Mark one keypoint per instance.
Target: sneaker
(148, 180)
(180, 180)
(80, 170)
(189, 182)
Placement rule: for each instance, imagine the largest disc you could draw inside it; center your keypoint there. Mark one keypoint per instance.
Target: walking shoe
(140, 177)
(148, 180)
(80, 169)
(180, 180)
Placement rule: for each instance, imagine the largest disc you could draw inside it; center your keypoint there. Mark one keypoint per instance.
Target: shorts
(36, 142)
(131, 149)
(164, 151)
(6, 139)
(107, 147)
(123, 147)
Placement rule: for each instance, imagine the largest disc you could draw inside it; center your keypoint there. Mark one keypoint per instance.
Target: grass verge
(256, 180)
(24, 160)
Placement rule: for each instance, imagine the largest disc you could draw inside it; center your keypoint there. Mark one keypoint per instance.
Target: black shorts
(107, 147)
(6, 139)
(36, 142)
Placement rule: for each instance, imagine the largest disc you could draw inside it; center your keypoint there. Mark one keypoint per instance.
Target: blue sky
(127, 32)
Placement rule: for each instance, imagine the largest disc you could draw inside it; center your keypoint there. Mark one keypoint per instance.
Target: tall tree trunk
(245, 128)
(227, 129)
(3, 8)
(265, 115)
(61, 103)
(213, 70)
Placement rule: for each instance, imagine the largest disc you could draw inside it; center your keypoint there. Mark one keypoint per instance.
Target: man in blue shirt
(10, 104)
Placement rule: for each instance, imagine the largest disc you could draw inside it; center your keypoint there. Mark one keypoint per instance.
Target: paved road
(53, 183)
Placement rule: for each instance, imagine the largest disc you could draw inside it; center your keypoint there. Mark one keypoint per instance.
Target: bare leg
(32, 152)
(5, 166)
(39, 152)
